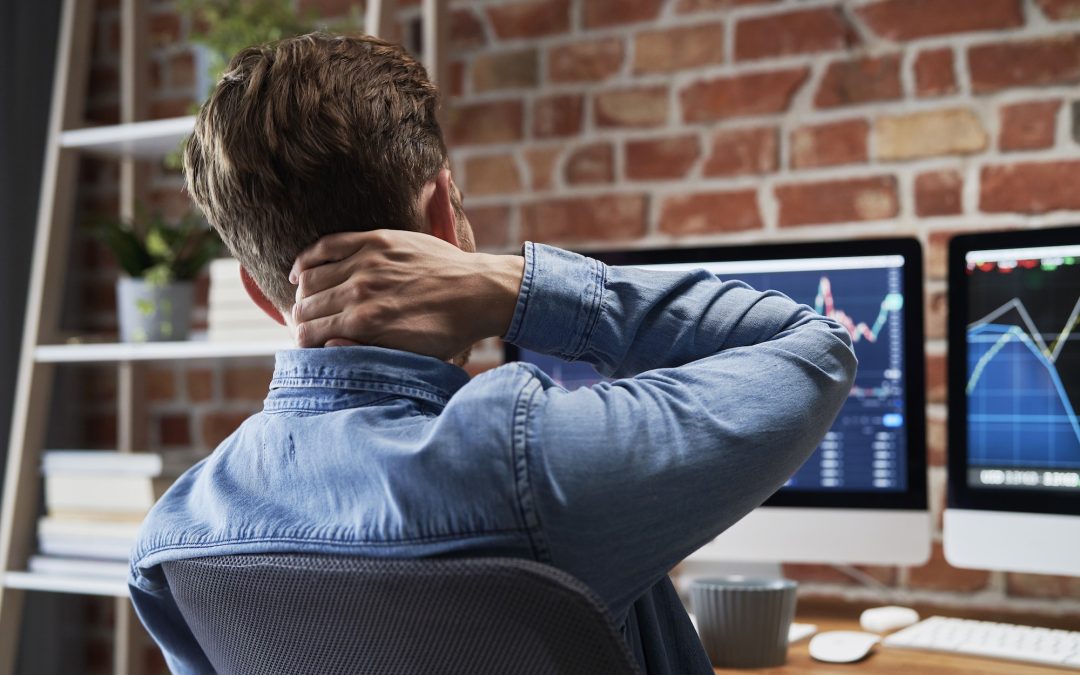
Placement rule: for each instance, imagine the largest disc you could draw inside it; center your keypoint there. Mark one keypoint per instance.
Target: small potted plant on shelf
(159, 260)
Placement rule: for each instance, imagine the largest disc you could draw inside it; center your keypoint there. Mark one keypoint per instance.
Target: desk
(899, 661)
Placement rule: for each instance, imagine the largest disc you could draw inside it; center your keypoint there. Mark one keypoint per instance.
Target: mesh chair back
(300, 614)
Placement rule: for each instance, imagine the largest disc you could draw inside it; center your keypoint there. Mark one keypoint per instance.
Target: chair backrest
(301, 614)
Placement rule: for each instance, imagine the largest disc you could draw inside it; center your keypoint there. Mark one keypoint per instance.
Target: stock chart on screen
(865, 448)
(1022, 367)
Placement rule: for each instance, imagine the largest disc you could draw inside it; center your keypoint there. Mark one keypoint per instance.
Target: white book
(103, 549)
(95, 493)
(52, 527)
(78, 567)
(98, 462)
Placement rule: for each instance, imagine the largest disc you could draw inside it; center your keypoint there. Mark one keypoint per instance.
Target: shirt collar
(361, 369)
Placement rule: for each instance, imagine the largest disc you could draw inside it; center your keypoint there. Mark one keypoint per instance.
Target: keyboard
(1042, 646)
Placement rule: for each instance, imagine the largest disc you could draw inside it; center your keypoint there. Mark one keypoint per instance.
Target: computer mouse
(889, 618)
(842, 646)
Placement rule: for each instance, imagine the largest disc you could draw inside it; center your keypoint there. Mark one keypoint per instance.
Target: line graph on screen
(1019, 412)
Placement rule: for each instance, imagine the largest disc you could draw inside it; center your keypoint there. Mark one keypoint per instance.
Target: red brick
(600, 13)
(830, 574)
(687, 6)
(1060, 10)
(182, 70)
(937, 314)
(710, 212)
(590, 61)
(860, 80)
(936, 378)
(558, 116)
(661, 158)
(457, 78)
(160, 385)
(593, 163)
(934, 73)
(637, 107)
(605, 217)
(542, 161)
(481, 123)
(829, 144)
(799, 32)
(506, 70)
(200, 385)
(331, 8)
(218, 425)
(742, 151)
(740, 95)
(1028, 126)
(174, 430)
(937, 442)
(170, 107)
(1042, 586)
(247, 383)
(837, 201)
(164, 29)
(1024, 64)
(939, 193)
(938, 575)
(530, 19)
(492, 175)
(104, 81)
(681, 48)
(99, 296)
(490, 225)
(100, 430)
(97, 384)
(912, 19)
(466, 30)
(1031, 187)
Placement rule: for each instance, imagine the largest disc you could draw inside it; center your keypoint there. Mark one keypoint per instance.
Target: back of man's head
(309, 136)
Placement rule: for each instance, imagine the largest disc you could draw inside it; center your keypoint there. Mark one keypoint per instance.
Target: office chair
(329, 615)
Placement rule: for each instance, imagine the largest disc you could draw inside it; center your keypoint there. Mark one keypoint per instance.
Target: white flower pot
(151, 312)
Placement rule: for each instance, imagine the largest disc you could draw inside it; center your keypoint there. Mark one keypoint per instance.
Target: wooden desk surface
(895, 661)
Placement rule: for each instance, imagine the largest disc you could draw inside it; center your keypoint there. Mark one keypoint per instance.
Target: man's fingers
(317, 332)
(331, 248)
(324, 303)
(317, 279)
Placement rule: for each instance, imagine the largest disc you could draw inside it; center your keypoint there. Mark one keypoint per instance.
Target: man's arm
(726, 392)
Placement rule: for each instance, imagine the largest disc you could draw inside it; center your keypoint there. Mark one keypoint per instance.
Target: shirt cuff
(559, 303)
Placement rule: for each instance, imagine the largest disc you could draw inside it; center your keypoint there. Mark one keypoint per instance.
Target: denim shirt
(723, 392)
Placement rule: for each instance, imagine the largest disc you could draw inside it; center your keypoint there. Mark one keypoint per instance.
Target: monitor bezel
(960, 494)
(914, 498)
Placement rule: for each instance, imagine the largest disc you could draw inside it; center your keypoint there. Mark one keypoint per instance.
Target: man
(388, 448)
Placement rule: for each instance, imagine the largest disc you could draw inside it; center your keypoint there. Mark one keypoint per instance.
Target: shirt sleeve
(157, 609)
(724, 392)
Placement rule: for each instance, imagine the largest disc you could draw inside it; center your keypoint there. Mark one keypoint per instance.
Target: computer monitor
(861, 497)
(1014, 372)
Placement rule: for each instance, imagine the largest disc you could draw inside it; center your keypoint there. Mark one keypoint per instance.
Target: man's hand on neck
(402, 290)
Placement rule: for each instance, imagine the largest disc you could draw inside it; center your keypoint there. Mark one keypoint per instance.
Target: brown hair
(309, 136)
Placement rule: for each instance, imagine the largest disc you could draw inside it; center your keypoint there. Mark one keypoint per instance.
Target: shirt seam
(524, 293)
(596, 301)
(523, 486)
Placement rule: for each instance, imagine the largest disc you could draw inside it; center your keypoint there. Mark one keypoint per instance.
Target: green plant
(225, 27)
(151, 247)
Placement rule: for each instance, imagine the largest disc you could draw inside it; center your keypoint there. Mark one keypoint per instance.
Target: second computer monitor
(861, 497)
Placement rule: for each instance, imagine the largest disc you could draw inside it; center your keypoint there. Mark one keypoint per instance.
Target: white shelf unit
(113, 352)
(142, 140)
(57, 583)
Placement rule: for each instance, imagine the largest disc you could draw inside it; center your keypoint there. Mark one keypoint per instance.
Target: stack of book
(95, 502)
(232, 316)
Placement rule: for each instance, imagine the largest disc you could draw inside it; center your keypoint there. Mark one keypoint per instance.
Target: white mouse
(842, 646)
(890, 618)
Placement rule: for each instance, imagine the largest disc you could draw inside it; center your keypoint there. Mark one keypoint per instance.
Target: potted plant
(160, 260)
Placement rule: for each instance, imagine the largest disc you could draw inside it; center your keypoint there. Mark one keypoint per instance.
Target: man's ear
(439, 210)
(257, 296)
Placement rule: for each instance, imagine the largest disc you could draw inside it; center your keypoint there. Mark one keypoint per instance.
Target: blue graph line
(999, 336)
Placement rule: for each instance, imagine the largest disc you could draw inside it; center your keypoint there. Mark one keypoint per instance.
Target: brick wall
(592, 123)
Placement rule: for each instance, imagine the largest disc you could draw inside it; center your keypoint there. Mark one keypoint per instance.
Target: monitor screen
(1020, 310)
(875, 446)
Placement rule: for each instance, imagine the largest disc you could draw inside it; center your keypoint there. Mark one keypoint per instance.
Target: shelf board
(146, 140)
(155, 351)
(62, 583)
